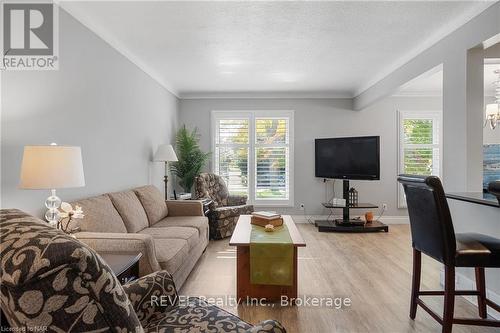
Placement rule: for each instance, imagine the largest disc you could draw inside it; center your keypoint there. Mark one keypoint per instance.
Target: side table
(124, 265)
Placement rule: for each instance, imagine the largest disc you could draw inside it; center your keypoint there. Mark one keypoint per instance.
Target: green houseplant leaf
(191, 158)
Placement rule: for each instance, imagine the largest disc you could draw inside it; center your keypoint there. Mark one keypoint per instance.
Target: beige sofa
(171, 235)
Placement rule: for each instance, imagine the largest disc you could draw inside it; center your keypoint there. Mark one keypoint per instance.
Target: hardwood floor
(373, 270)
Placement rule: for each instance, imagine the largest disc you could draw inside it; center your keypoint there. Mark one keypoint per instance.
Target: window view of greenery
(271, 136)
(418, 151)
(233, 167)
(233, 159)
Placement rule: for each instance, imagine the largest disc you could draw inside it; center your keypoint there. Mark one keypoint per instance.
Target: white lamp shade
(165, 153)
(492, 110)
(51, 167)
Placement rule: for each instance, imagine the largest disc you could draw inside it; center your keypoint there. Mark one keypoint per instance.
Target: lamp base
(52, 203)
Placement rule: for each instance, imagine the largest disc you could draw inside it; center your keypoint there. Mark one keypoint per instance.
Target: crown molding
(115, 44)
(266, 95)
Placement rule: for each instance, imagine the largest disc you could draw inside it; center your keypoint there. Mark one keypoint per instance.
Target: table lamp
(165, 153)
(51, 167)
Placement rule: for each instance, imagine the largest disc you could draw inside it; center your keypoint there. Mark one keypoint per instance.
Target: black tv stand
(346, 224)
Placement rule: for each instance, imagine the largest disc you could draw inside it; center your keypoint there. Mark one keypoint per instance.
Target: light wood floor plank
(373, 270)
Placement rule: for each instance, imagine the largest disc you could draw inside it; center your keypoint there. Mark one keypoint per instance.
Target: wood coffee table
(246, 290)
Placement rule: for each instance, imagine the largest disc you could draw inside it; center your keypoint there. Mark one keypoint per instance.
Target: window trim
(435, 115)
(251, 115)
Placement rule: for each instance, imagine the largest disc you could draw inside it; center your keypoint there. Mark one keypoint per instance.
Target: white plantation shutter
(272, 158)
(231, 153)
(419, 145)
(253, 153)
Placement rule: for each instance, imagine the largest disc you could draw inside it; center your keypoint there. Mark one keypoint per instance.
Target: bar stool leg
(415, 284)
(449, 298)
(481, 288)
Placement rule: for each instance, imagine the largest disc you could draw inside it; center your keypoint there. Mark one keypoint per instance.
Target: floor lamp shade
(51, 167)
(165, 153)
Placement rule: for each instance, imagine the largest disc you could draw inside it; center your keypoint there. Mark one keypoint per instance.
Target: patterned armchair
(226, 207)
(52, 282)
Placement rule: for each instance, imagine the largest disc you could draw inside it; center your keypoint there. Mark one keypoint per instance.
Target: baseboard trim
(384, 219)
(462, 282)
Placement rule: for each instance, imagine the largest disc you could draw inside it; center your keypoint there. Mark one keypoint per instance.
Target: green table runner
(271, 256)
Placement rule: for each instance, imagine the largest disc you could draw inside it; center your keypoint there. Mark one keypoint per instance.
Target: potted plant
(191, 159)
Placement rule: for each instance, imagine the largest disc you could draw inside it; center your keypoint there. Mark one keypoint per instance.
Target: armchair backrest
(51, 280)
(212, 186)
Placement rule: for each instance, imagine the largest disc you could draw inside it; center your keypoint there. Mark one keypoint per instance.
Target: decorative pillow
(130, 209)
(153, 202)
(100, 215)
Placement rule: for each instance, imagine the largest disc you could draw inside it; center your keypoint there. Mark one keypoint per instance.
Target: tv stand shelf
(346, 224)
(351, 206)
(332, 226)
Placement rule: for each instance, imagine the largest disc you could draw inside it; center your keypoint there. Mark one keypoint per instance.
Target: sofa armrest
(185, 208)
(271, 326)
(152, 295)
(236, 200)
(124, 242)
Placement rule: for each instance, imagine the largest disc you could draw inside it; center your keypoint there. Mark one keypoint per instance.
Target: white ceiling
(431, 84)
(323, 48)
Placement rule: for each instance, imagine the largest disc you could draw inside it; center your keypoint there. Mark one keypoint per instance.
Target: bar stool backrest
(430, 220)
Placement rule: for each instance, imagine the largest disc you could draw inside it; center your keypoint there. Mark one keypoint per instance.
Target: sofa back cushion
(153, 202)
(130, 209)
(100, 215)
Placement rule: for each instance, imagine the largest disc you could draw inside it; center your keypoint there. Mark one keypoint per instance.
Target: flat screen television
(348, 158)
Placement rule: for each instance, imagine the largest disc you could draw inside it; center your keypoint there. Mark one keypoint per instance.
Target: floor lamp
(165, 153)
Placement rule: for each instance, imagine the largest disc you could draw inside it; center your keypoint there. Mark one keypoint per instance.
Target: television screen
(348, 158)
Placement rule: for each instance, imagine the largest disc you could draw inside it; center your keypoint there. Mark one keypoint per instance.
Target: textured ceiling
(331, 48)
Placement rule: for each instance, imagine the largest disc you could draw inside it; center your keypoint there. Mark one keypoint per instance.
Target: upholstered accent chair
(52, 282)
(226, 207)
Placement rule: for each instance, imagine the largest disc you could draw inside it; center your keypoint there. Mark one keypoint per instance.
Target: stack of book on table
(265, 218)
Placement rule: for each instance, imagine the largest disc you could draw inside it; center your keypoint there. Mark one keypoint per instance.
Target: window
(253, 152)
(419, 145)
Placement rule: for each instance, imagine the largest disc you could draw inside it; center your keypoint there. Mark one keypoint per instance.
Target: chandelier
(493, 110)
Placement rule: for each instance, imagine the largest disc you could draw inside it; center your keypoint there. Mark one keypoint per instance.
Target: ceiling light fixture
(492, 110)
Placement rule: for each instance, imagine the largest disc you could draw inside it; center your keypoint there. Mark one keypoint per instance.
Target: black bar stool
(433, 234)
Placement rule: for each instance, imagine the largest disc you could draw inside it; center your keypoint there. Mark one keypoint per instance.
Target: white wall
(460, 140)
(317, 118)
(485, 222)
(98, 100)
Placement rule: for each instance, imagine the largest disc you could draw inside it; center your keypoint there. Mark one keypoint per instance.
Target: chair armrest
(152, 295)
(185, 208)
(228, 211)
(236, 200)
(124, 242)
(271, 326)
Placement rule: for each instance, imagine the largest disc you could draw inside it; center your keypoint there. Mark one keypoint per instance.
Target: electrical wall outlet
(302, 206)
(384, 206)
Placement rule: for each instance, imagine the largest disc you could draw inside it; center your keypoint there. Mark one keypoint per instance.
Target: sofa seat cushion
(153, 202)
(130, 209)
(189, 234)
(171, 253)
(198, 222)
(100, 215)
